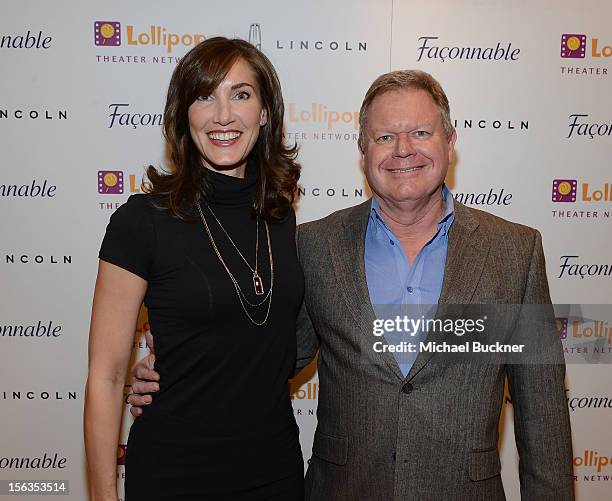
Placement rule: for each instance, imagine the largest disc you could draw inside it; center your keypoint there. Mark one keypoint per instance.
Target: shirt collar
(445, 222)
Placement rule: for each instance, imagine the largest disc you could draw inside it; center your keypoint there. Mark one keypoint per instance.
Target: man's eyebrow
(242, 84)
(395, 128)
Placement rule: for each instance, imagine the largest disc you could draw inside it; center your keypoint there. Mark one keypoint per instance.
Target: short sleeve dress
(221, 426)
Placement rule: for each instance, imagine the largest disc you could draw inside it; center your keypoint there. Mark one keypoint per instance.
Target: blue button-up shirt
(393, 282)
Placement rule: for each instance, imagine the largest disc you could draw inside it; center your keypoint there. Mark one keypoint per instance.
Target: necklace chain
(254, 270)
(241, 296)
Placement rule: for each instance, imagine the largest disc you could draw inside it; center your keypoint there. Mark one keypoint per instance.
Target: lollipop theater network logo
(564, 190)
(113, 34)
(107, 33)
(116, 182)
(573, 46)
(110, 182)
(594, 199)
(121, 451)
(583, 329)
(577, 46)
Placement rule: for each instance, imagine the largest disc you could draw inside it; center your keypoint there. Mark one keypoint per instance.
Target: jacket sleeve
(307, 342)
(537, 388)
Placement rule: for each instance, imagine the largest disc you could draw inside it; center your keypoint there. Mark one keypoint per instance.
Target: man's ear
(451, 145)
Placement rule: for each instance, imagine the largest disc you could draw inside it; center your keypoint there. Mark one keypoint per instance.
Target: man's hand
(144, 380)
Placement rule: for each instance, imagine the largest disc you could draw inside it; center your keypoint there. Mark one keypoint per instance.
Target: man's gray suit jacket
(432, 435)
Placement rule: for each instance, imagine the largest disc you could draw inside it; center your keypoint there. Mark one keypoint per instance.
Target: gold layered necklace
(258, 284)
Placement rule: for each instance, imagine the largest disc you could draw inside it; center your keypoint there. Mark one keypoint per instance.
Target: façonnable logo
(40, 329)
(44, 461)
(581, 126)
(430, 48)
(494, 196)
(27, 40)
(37, 188)
(573, 267)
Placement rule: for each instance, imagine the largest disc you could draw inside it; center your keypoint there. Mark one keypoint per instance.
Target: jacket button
(407, 388)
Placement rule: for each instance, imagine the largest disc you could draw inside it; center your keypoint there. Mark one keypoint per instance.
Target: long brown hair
(198, 73)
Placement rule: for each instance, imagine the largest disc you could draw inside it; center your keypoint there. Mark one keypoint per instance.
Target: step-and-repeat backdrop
(81, 96)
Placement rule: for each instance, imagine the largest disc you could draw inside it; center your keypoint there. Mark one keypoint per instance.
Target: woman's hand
(144, 380)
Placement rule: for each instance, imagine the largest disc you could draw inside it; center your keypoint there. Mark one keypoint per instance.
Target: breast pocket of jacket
(329, 448)
(484, 464)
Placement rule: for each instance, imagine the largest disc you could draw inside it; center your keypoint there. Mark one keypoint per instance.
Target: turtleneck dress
(221, 426)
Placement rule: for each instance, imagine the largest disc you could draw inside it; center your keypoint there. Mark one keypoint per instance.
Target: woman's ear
(263, 120)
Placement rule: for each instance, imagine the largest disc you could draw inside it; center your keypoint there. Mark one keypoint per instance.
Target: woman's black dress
(221, 427)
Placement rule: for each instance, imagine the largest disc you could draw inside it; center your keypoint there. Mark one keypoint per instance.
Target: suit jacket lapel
(465, 260)
(348, 251)
(467, 253)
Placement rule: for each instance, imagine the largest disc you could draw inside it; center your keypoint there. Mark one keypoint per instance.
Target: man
(399, 428)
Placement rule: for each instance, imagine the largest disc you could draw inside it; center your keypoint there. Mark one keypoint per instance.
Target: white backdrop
(70, 108)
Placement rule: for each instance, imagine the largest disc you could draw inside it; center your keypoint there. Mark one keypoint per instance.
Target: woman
(211, 251)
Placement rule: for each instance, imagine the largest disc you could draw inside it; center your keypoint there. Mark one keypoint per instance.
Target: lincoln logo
(37, 258)
(255, 35)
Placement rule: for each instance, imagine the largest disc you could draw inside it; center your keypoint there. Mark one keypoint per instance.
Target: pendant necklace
(258, 285)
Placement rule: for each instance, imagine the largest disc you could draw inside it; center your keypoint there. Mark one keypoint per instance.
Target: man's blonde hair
(401, 80)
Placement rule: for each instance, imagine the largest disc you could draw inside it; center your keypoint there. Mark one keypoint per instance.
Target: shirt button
(410, 289)
(391, 242)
